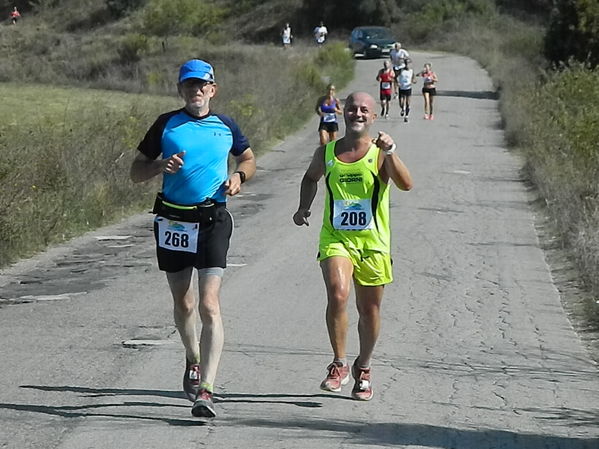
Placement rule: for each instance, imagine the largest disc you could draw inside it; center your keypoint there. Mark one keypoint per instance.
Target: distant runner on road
(398, 57)
(14, 16)
(320, 34)
(385, 77)
(429, 90)
(190, 148)
(286, 36)
(328, 107)
(405, 79)
(355, 238)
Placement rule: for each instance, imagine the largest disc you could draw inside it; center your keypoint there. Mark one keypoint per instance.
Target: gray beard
(196, 109)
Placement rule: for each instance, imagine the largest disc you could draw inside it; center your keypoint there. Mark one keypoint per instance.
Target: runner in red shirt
(14, 15)
(385, 77)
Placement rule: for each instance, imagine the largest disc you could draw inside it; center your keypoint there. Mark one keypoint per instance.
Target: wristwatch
(241, 175)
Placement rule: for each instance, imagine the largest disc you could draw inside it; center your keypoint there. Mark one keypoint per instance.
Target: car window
(379, 34)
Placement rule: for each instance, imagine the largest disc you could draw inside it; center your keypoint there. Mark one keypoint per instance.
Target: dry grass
(563, 154)
(67, 152)
(66, 161)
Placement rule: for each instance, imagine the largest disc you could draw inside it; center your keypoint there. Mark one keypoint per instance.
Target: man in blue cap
(189, 148)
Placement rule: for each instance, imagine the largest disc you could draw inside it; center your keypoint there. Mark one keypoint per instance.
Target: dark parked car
(371, 41)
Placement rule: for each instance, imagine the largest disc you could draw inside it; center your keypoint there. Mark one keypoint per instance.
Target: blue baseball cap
(196, 68)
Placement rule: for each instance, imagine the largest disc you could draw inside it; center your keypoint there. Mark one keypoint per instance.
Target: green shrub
(563, 159)
(173, 17)
(569, 128)
(424, 20)
(133, 47)
(310, 75)
(336, 55)
(119, 8)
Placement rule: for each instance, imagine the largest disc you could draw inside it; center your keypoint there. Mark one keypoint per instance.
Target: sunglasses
(195, 83)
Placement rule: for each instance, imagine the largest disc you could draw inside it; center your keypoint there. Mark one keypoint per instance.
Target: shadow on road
(379, 434)
(276, 399)
(477, 95)
(425, 435)
(81, 411)
(78, 411)
(272, 398)
(101, 392)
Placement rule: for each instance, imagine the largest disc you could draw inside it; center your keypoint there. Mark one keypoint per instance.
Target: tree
(537, 7)
(337, 13)
(573, 32)
(119, 8)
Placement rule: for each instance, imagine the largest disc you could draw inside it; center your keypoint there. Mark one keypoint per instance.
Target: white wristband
(391, 150)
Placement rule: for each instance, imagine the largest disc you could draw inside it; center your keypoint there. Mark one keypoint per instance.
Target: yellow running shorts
(371, 268)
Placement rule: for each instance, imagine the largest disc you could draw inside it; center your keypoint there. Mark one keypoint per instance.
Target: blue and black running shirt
(207, 142)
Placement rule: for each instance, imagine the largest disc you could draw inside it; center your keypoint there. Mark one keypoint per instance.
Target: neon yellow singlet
(356, 209)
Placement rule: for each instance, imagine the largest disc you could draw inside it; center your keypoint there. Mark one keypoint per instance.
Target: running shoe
(191, 380)
(425, 116)
(337, 376)
(405, 119)
(386, 115)
(362, 390)
(401, 113)
(203, 407)
(431, 117)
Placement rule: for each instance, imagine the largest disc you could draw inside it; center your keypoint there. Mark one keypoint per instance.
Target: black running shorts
(172, 243)
(330, 127)
(429, 90)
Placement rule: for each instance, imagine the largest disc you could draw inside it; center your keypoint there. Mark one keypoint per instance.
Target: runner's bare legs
(368, 302)
(186, 319)
(337, 273)
(427, 103)
(185, 311)
(212, 336)
(325, 136)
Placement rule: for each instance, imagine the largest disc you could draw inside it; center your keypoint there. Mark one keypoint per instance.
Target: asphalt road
(476, 350)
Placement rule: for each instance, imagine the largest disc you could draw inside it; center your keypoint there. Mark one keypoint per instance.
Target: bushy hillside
(258, 21)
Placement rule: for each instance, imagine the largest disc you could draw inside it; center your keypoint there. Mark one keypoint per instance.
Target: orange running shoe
(337, 376)
(362, 390)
